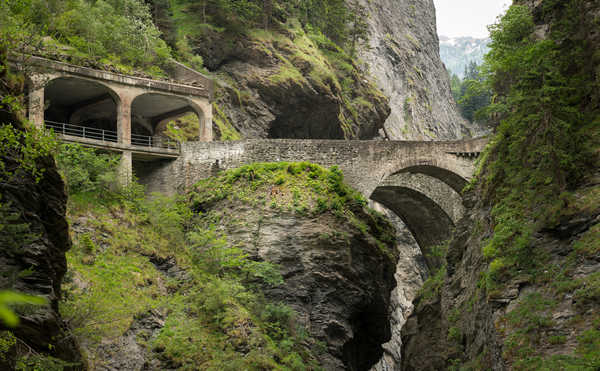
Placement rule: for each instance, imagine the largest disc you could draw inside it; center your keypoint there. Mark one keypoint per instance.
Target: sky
(467, 17)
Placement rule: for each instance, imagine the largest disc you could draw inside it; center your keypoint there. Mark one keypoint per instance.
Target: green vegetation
(339, 21)
(546, 141)
(226, 129)
(535, 175)
(117, 32)
(184, 128)
(302, 188)
(215, 315)
(86, 170)
(213, 310)
(471, 94)
(24, 154)
(436, 260)
(313, 48)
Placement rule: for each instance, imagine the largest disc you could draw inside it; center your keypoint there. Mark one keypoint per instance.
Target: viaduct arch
(113, 111)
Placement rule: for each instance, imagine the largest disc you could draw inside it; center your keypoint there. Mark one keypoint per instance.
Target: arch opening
(426, 220)
(427, 199)
(160, 115)
(71, 104)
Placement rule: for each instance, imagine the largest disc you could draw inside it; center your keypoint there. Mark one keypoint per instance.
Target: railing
(156, 142)
(82, 131)
(111, 136)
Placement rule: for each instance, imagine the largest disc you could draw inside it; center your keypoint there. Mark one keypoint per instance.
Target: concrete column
(124, 120)
(205, 116)
(125, 170)
(36, 101)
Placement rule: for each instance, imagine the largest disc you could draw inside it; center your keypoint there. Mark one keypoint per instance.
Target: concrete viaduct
(419, 181)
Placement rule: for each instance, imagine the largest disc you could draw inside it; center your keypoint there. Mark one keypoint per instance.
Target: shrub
(86, 170)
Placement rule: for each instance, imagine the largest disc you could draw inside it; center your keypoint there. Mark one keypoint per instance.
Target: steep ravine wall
(403, 56)
(485, 317)
(34, 261)
(411, 272)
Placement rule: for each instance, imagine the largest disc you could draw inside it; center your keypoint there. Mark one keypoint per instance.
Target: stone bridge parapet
(365, 163)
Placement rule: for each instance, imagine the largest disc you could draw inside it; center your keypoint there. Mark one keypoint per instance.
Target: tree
(474, 95)
(267, 13)
(359, 28)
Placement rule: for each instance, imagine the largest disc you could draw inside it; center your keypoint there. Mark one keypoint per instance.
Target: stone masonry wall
(364, 163)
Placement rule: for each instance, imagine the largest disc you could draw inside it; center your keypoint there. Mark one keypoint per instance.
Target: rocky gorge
(283, 265)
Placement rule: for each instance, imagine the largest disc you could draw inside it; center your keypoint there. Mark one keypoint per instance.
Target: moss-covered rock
(263, 267)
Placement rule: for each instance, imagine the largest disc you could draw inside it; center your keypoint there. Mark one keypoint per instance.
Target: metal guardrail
(111, 136)
(82, 131)
(155, 142)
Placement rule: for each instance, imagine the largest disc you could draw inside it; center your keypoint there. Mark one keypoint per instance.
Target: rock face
(411, 271)
(282, 85)
(337, 279)
(34, 261)
(403, 55)
(540, 318)
(459, 323)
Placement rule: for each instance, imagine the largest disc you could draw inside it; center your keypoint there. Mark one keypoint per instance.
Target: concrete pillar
(125, 170)
(124, 120)
(205, 115)
(36, 101)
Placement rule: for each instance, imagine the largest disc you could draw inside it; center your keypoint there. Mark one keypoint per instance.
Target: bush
(120, 30)
(86, 170)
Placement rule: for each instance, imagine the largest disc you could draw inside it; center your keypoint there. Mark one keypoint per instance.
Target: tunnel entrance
(80, 107)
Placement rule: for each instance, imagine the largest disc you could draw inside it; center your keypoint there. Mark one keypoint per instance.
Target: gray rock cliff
(337, 279)
(403, 56)
(33, 261)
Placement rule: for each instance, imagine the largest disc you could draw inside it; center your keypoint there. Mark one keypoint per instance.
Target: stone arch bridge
(419, 181)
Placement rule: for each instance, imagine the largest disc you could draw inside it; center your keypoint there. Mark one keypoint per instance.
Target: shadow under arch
(80, 102)
(428, 200)
(425, 219)
(151, 111)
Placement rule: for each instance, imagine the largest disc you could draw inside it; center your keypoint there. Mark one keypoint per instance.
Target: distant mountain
(457, 52)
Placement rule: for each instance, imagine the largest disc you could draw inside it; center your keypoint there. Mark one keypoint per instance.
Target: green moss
(306, 188)
(431, 287)
(287, 73)
(218, 310)
(228, 132)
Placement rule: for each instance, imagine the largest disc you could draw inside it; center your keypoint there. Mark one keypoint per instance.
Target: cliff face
(533, 320)
(338, 278)
(411, 271)
(34, 241)
(535, 304)
(292, 83)
(267, 266)
(403, 55)
(286, 83)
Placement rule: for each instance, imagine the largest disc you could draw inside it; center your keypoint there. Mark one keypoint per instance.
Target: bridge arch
(150, 113)
(71, 103)
(427, 199)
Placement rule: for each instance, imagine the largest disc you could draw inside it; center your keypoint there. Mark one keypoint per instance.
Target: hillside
(232, 275)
